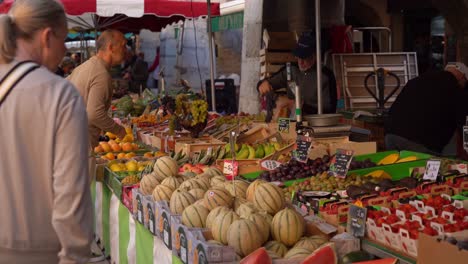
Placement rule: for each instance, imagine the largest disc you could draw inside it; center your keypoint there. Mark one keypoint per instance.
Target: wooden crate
(279, 40)
(256, 134)
(191, 146)
(273, 61)
(276, 52)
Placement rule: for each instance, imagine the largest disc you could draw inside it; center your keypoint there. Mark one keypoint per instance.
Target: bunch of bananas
(257, 151)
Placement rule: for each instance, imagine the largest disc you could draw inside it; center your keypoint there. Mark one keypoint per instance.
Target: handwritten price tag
(339, 165)
(283, 125)
(231, 167)
(270, 164)
(432, 170)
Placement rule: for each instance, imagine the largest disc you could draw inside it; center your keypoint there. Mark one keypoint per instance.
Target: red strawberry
(414, 234)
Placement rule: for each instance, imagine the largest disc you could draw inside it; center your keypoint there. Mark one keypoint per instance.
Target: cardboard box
(200, 251)
(433, 251)
(144, 210)
(163, 218)
(360, 148)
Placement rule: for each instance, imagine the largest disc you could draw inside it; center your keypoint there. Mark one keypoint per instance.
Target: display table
(122, 238)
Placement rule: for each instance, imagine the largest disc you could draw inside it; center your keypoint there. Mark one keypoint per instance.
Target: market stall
(160, 194)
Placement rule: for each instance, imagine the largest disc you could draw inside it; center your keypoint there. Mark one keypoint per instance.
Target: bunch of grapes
(181, 104)
(199, 111)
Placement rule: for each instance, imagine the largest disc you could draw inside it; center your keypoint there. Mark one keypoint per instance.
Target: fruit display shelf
(381, 251)
(396, 170)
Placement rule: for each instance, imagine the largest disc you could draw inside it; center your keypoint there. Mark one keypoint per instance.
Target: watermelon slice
(258, 256)
(325, 254)
(379, 261)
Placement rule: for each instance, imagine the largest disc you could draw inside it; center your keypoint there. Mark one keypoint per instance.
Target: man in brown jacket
(94, 83)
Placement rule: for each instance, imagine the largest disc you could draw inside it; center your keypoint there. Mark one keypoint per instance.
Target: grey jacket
(307, 82)
(45, 195)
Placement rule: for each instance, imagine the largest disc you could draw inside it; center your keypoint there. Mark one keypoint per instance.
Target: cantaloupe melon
(246, 209)
(197, 193)
(201, 203)
(217, 197)
(276, 247)
(204, 183)
(162, 193)
(174, 182)
(297, 253)
(267, 216)
(190, 184)
(180, 200)
(238, 201)
(237, 188)
(309, 243)
(166, 166)
(213, 171)
(195, 216)
(147, 184)
(214, 213)
(243, 237)
(269, 197)
(287, 227)
(262, 225)
(221, 224)
(250, 192)
(218, 180)
(158, 177)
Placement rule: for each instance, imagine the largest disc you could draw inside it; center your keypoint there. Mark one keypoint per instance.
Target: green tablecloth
(123, 238)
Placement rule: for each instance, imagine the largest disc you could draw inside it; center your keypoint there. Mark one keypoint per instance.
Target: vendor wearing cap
(304, 74)
(428, 111)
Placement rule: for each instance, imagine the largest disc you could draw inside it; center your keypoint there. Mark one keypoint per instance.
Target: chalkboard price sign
(303, 146)
(283, 125)
(339, 165)
(357, 220)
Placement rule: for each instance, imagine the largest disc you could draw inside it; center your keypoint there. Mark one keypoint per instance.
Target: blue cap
(305, 47)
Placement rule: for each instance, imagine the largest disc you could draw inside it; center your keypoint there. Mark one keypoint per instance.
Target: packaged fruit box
(396, 165)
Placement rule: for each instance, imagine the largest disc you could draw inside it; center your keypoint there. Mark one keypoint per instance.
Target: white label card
(432, 170)
(270, 164)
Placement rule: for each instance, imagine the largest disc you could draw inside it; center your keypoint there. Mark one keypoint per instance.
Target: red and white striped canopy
(128, 15)
(133, 8)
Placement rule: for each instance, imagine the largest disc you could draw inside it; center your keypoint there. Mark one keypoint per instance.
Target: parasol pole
(210, 43)
(318, 56)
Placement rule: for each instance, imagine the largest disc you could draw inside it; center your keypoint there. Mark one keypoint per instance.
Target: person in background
(139, 73)
(76, 57)
(154, 70)
(65, 67)
(305, 76)
(428, 111)
(45, 200)
(94, 83)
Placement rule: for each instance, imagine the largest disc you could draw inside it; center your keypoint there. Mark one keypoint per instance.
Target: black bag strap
(14, 76)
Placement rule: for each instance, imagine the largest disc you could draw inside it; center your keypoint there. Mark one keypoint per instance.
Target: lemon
(132, 165)
(115, 167)
(141, 168)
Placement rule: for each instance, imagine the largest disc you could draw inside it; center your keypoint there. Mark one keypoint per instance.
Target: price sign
(357, 220)
(432, 170)
(283, 125)
(231, 167)
(339, 165)
(303, 146)
(270, 164)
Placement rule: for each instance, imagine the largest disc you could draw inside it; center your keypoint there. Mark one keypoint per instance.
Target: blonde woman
(45, 202)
